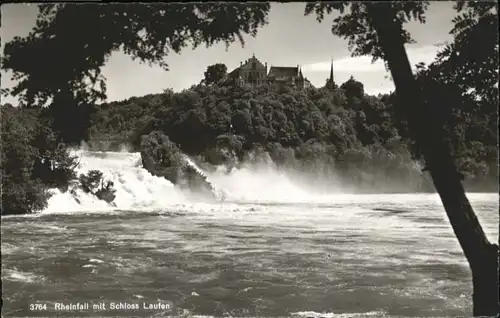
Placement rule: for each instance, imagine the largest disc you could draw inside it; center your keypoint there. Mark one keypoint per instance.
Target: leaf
(73, 55)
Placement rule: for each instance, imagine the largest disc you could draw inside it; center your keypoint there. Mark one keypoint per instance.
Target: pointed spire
(331, 73)
(330, 82)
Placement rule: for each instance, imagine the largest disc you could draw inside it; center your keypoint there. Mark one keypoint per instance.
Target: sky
(290, 39)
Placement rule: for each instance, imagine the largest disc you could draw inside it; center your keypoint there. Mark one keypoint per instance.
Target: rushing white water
(137, 189)
(275, 247)
(219, 193)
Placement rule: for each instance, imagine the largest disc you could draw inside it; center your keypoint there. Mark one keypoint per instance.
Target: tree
(93, 182)
(475, 71)
(468, 76)
(215, 73)
(353, 88)
(60, 61)
(21, 191)
(160, 156)
(377, 29)
(72, 55)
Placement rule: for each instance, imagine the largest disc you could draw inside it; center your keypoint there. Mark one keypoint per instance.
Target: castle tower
(300, 79)
(331, 74)
(330, 82)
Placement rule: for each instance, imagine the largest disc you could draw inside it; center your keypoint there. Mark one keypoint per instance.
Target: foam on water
(262, 184)
(17, 275)
(313, 314)
(271, 225)
(219, 193)
(138, 190)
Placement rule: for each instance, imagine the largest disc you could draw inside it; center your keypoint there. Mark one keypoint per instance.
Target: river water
(271, 249)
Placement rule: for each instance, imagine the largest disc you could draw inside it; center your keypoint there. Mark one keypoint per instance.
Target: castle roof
(253, 59)
(234, 72)
(278, 71)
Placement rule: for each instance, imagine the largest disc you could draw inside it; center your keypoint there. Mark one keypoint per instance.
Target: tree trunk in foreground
(480, 253)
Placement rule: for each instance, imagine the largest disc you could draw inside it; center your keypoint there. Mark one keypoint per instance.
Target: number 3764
(35, 307)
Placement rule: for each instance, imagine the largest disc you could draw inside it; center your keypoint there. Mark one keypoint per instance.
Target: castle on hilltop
(254, 72)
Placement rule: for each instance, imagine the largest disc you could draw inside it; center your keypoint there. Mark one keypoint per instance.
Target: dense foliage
(160, 156)
(73, 55)
(34, 160)
(215, 73)
(163, 158)
(21, 192)
(59, 65)
(94, 183)
(446, 115)
(461, 85)
(336, 133)
(341, 132)
(433, 115)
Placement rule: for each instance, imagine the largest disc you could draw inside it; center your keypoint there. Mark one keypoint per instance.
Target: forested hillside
(339, 134)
